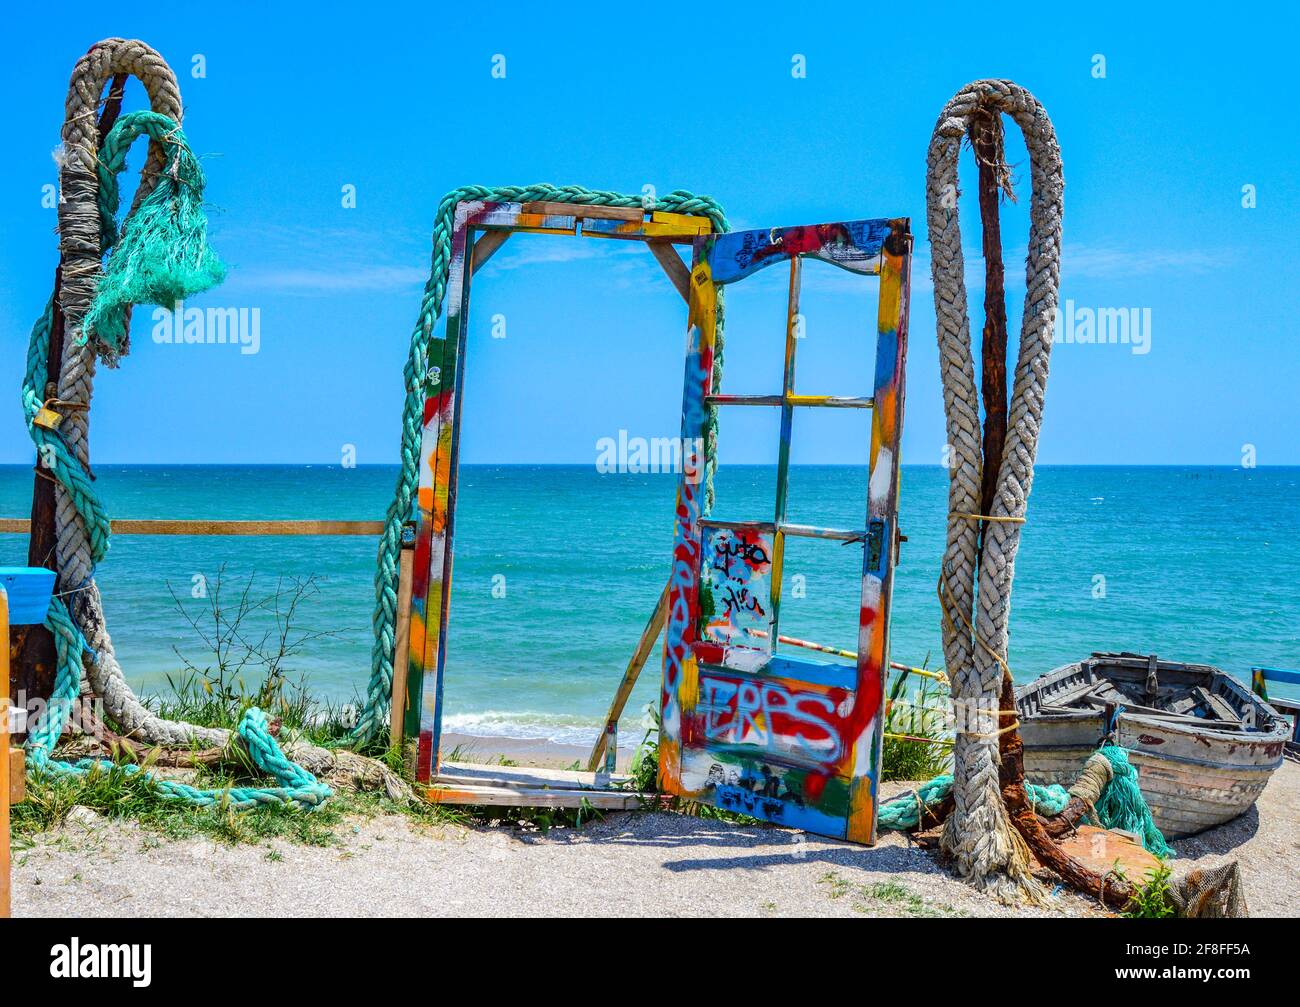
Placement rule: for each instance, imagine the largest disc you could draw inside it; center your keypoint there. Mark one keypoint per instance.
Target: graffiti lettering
(768, 715)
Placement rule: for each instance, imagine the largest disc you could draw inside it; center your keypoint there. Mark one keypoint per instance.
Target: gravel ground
(626, 865)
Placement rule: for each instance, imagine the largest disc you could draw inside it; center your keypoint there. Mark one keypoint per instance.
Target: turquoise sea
(1197, 564)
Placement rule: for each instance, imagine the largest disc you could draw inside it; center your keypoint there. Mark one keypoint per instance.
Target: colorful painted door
(745, 728)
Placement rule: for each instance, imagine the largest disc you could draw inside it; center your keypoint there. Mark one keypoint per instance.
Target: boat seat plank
(1216, 705)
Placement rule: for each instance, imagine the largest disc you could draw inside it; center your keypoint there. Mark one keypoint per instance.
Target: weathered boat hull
(1193, 777)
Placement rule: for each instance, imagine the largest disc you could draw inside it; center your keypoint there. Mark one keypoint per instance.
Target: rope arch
(78, 546)
(985, 847)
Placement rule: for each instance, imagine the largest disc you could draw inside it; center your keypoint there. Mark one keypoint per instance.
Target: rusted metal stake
(986, 141)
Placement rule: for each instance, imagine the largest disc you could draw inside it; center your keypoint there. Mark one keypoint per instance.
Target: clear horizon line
(588, 464)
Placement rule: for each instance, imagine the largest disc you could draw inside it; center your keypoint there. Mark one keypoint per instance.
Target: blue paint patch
(778, 811)
(829, 674)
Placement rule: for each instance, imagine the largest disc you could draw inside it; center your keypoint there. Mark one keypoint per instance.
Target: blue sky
(400, 103)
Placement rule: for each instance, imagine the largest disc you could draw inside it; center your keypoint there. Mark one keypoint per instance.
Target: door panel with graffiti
(746, 727)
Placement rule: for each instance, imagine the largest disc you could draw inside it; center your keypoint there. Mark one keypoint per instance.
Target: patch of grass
(1153, 900)
(541, 820)
(882, 895)
(245, 636)
(122, 796)
(920, 715)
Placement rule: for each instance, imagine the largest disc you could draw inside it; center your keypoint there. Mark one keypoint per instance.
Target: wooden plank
(528, 777)
(687, 223)
(486, 247)
(17, 776)
(791, 399)
(401, 648)
(667, 257)
(436, 503)
(859, 246)
(744, 400)
(653, 627)
(832, 401)
(680, 693)
(1279, 675)
(795, 530)
(1100, 851)
(588, 210)
(204, 527)
(894, 267)
(506, 797)
(1220, 707)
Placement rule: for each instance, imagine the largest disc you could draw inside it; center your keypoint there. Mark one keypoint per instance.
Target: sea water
(558, 568)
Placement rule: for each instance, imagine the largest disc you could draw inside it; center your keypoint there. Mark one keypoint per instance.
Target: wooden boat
(1203, 744)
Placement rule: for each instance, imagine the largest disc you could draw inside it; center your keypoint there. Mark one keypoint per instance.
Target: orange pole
(4, 754)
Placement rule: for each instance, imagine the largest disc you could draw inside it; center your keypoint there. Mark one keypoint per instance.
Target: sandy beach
(633, 864)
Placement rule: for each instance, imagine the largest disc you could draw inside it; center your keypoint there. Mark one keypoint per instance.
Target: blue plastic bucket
(29, 589)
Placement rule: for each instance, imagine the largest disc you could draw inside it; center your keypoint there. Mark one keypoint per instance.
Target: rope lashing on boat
(978, 834)
(160, 255)
(374, 715)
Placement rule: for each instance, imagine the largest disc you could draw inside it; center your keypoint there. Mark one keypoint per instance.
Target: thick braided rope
(296, 785)
(54, 456)
(373, 716)
(81, 527)
(81, 234)
(978, 834)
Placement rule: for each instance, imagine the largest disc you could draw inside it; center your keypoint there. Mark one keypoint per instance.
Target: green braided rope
(297, 786)
(904, 813)
(1121, 805)
(373, 716)
(162, 256)
(53, 455)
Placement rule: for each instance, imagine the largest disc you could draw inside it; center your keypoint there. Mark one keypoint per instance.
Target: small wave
(526, 725)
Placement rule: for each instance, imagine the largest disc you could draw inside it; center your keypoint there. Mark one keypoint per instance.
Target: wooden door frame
(871, 247)
(480, 228)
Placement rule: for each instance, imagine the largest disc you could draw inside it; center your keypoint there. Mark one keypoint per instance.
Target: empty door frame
(480, 228)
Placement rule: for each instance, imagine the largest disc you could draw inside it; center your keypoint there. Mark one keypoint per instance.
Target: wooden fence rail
(167, 526)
